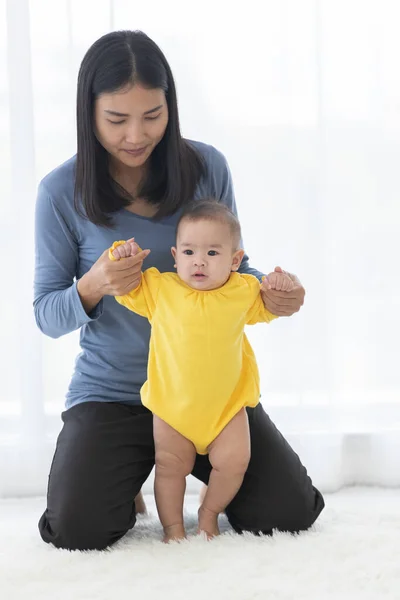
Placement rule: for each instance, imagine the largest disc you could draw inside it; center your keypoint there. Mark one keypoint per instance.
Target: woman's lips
(137, 152)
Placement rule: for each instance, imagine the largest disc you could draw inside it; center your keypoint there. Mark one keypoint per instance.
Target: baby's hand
(129, 248)
(280, 282)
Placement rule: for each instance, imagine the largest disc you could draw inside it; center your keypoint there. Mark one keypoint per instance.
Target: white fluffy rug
(353, 552)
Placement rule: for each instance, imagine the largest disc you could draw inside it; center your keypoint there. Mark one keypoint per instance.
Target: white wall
(304, 100)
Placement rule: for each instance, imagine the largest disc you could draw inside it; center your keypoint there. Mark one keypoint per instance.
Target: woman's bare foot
(208, 522)
(140, 505)
(174, 533)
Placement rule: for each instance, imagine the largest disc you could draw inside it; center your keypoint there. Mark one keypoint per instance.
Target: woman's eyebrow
(119, 114)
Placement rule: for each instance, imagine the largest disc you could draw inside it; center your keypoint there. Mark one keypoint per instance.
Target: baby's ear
(237, 259)
(173, 252)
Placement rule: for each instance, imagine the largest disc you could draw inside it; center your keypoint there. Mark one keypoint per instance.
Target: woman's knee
(308, 510)
(302, 512)
(75, 529)
(294, 515)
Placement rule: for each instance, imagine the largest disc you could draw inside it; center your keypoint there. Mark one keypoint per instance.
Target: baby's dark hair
(209, 209)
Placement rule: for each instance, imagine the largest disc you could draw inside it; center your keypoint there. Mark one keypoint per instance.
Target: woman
(132, 175)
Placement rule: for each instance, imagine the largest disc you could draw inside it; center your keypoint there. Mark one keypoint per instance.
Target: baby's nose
(199, 261)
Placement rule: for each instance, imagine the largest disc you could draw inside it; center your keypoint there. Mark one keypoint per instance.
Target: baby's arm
(256, 313)
(142, 298)
(279, 281)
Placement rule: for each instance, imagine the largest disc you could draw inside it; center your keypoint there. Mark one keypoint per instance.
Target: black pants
(105, 452)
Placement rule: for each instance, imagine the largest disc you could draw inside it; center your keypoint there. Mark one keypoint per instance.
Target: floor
(352, 552)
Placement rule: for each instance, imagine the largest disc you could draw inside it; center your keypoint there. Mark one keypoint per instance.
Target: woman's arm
(88, 292)
(58, 307)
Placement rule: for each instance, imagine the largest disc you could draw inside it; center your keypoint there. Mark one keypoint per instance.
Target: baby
(202, 371)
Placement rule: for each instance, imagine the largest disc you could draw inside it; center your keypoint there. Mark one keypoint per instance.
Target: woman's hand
(110, 278)
(282, 303)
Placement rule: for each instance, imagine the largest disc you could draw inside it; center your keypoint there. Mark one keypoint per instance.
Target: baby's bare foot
(208, 522)
(174, 533)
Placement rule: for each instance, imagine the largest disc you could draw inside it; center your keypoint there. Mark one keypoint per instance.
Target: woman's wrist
(89, 293)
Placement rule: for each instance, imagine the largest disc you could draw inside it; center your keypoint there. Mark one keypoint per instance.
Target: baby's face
(205, 254)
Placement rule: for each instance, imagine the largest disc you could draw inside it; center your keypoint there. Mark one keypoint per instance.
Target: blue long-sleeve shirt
(112, 366)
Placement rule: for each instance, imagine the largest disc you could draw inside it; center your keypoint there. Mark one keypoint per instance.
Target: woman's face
(131, 122)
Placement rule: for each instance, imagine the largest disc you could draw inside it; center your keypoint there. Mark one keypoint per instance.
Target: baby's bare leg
(229, 456)
(175, 456)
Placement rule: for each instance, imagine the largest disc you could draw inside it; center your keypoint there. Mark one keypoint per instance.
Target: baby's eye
(188, 252)
(212, 253)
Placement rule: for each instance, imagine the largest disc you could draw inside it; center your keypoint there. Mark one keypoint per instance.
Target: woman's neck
(129, 179)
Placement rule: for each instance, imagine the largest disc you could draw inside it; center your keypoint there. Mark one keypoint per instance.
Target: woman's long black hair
(116, 60)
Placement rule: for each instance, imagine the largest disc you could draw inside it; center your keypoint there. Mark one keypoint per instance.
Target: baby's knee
(168, 463)
(231, 461)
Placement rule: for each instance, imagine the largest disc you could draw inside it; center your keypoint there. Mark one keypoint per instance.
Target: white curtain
(303, 97)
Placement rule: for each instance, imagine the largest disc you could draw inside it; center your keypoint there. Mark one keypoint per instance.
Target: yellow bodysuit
(201, 369)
